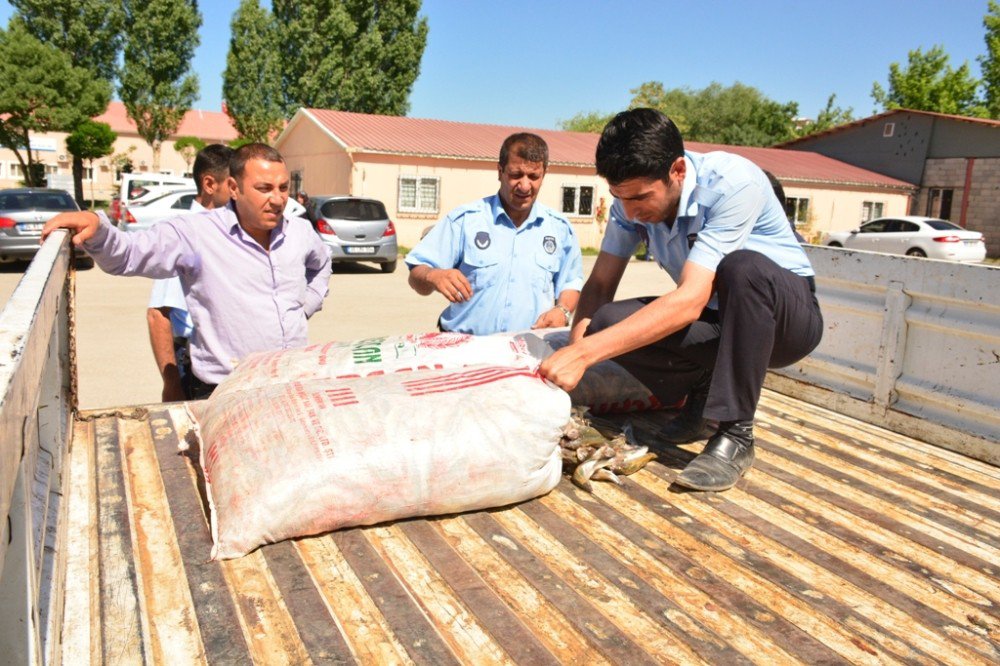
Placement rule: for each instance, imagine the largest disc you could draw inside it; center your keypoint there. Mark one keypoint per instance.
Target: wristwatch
(566, 313)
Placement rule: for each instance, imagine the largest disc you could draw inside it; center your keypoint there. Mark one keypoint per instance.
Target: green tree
(352, 55)
(830, 116)
(91, 140)
(157, 86)
(188, 147)
(593, 121)
(929, 83)
(251, 84)
(990, 63)
(90, 31)
(738, 115)
(41, 91)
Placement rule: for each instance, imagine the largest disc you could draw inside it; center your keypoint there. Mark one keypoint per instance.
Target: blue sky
(534, 63)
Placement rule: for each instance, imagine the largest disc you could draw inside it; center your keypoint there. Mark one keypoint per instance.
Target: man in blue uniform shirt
(745, 298)
(505, 262)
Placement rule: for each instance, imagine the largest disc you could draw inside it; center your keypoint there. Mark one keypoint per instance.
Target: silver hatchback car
(355, 229)
(23, 213)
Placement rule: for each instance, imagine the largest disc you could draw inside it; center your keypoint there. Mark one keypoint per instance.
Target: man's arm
(667, 314)
(562, 313)
(599, 289)
(161, 338)
(319, 267)
(449, 282)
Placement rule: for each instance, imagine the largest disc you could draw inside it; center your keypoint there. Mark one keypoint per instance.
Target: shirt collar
(234, 224)
(688, 206)
(496, 205)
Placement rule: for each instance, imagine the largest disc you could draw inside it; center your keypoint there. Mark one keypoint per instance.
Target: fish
(632, 463)
(605, 474)
(601, 458)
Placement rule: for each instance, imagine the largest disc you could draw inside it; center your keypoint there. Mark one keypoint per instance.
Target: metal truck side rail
(37, 395)
(910, 344)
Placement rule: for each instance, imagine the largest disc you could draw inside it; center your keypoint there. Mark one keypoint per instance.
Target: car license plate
(972, 242)
(358, 249)
(30, 226)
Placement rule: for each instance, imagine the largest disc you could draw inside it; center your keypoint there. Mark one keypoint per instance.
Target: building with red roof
(50, 149)
(953, 162)
(421, 169)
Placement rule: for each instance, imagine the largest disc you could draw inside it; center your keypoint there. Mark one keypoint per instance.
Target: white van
(136, 185)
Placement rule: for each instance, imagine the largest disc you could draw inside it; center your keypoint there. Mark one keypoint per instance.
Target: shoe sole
(711, 489)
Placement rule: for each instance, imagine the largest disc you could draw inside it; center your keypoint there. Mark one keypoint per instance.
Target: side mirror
(854, 231)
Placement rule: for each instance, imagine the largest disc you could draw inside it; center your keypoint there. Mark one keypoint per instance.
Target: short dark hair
(527, 146)
(638, 143)
(252, 151)
(212, 160)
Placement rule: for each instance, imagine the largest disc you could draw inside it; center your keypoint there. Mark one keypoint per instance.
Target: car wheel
(834, 244)
(388, 267)
(915, 252)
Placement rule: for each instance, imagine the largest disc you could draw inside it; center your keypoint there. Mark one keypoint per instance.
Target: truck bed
(845, 543)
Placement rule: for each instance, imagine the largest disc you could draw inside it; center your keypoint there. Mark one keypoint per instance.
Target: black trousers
(768, 317)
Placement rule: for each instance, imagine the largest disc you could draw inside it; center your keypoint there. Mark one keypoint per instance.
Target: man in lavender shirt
(251, 276)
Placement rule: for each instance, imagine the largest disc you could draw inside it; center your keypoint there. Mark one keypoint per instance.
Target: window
(871, 210)
(88, 173)
(418, 194)
(876, 227)
(939, 202)
(296, 185)
(51, 169)
(184, 201)
(889, 130)
(578, 200)
(797, 210)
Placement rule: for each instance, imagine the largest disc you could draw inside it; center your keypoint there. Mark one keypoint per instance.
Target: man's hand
(450, 283)
(551, 319)
(566, 366)
(83, 224)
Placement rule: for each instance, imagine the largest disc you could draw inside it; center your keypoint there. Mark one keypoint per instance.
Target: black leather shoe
(727, 456)
(689, 426)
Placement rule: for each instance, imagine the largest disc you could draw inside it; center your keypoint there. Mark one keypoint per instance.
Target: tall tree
(41, 91)
(188, 147)
(367, 59)
(90, 31)
(157, 85)
(929, 83)
(89, 141)
(251, 84)
(990, 63)
(830, 116)
(738, 115)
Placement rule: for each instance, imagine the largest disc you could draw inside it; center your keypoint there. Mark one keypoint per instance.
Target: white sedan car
(914, 236)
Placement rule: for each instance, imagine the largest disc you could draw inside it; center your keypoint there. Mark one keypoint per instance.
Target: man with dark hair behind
(170, 324)
(745, 298)
(504, 262)
(251, 276)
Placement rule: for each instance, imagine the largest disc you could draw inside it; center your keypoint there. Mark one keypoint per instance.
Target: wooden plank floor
(845, 544)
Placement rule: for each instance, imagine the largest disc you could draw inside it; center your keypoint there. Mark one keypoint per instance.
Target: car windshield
(943, 225)
(37, 201)
(353, 209)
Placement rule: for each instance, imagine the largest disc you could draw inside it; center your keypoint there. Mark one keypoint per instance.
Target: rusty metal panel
(36, 400)
(910, 344)
(845, 543)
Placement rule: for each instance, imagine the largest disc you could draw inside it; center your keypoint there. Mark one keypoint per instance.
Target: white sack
(374, 356)
(306, 457)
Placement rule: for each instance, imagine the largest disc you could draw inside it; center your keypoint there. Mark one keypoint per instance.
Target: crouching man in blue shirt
(745, 298)
(505, 262)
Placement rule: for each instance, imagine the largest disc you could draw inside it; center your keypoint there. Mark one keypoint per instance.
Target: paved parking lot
(116, 364)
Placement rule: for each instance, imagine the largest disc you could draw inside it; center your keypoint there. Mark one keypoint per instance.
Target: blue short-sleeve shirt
(726, 204)
(516, 273)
